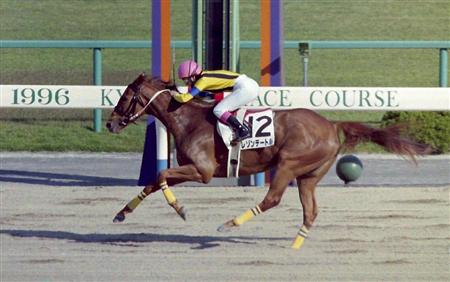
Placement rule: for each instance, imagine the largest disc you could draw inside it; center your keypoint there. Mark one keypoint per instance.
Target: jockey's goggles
(188, 80)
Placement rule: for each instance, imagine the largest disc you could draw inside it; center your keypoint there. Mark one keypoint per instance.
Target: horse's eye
(118, 109)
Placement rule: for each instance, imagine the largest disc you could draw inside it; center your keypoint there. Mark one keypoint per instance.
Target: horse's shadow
(61, 179)
(132, 239)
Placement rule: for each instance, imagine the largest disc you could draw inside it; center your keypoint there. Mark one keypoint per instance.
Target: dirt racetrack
(362, 234)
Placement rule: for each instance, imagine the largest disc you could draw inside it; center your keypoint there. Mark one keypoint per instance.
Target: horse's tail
(391, 138)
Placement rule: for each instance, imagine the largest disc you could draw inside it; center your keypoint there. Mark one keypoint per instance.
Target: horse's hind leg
(273, 197)
(306, 190)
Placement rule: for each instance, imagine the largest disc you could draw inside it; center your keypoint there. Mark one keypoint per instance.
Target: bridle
(129, 115)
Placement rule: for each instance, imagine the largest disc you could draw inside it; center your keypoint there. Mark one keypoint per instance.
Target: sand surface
(62, 233)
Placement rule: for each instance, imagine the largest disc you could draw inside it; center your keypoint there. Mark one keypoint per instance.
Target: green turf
(130, 20)
(304, 20)
(68, 136)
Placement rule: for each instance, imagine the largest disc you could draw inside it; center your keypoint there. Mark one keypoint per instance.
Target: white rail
(316, 98)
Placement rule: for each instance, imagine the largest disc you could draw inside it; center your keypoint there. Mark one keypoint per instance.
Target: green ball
(349, 168)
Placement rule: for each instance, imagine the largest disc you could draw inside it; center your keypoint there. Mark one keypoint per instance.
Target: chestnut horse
(306, 146)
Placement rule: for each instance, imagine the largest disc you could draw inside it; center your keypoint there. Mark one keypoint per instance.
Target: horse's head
(135, 100)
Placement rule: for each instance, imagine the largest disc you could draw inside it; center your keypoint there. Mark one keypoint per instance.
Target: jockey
(243, 90)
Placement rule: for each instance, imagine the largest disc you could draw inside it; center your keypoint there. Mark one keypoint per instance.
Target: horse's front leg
(174, 176)
(167, 177)
(131, 205)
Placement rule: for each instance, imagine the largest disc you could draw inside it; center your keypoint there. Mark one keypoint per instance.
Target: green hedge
(432, 128)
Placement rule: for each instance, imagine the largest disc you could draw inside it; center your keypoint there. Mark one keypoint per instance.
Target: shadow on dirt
(61, 179)
(134, 239)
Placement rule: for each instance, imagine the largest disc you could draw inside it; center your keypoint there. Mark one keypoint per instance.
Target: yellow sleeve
(183, 97)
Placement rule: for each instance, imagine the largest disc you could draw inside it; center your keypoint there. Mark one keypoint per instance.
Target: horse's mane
(159, 84)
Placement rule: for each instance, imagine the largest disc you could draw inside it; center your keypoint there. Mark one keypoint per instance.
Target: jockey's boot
(242, 131)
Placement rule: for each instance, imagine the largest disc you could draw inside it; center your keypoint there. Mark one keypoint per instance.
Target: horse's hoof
(182, 212)
(227, 226)
(119, 217)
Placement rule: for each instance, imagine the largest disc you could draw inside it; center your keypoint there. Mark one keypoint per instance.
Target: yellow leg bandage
(246, 216)
(298, 242)
(170, 197)
(136, 201)
(300, 238)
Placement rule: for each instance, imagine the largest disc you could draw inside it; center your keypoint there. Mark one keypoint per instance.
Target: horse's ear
(141, 77)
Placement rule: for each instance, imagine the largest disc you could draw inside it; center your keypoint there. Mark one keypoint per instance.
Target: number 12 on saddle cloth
(262, 131)
(261, 128)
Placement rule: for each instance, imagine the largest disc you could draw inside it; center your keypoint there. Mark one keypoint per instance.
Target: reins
(135, 116)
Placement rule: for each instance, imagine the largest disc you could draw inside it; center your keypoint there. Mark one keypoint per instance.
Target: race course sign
(61, 96)
(278, 98)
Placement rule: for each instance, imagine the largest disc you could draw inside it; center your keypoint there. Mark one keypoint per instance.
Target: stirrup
(240, 138)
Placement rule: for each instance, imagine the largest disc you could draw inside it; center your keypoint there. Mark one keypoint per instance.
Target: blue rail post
(97, 81)
(443, 67)
(155, 157)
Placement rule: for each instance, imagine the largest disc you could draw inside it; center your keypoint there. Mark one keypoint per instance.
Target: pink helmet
(188, 68)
